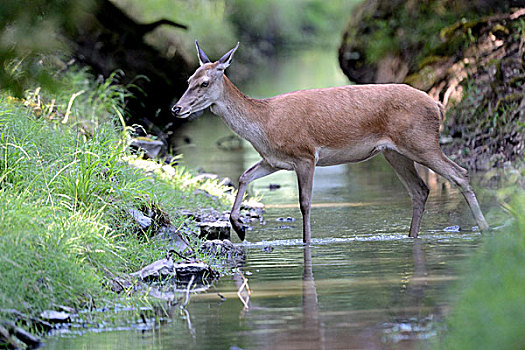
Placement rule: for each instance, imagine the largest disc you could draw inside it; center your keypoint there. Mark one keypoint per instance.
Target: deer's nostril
(175, 110)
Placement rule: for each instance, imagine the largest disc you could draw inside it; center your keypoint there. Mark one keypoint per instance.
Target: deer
(300, 130)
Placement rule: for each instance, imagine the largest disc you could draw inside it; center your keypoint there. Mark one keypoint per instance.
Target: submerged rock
(225, 251)
(454, 228)
(288, 219)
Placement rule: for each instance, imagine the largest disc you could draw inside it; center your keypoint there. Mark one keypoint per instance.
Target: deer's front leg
(260, 169)
(305, 178)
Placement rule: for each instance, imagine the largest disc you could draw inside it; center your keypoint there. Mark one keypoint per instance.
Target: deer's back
(338, 117)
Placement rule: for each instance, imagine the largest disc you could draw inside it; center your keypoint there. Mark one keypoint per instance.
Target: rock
(251, 204)
(66, 309)
(288, 219)
(172, 235)
(118, 285)
(55, 316)
(206, 176)
(215, 230)
(34, 321)
(151, 148)
(454, 228)
(141, 219)
(199, 191)
(227, 182)
(165, 269)
(6, 340)
(21, 334)
(268, 249)
(225, 251)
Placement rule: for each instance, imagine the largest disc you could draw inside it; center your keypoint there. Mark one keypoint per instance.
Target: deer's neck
(244, 115)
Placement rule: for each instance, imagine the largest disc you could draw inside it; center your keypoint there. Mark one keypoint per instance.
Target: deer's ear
(226, 60)
(202, 56)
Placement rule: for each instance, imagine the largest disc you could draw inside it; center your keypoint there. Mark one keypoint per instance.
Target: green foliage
(490, 311)
(67, 183)
(261, 24)
(415, 29)
(206, 19)
(295, 22)
(29, 33)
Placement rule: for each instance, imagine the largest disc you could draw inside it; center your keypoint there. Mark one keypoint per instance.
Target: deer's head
(204, 86)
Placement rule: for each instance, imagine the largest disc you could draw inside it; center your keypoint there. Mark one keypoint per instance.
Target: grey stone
(166, 269)
(206, 176)
(454, 228)
(215, 230)
(151, 148)
(141, 219)
(55, 316)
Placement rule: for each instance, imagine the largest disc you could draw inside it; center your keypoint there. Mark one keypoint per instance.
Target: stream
(362, 284)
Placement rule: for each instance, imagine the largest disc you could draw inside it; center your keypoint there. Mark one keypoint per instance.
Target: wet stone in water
(454, 228)
(288, 219)
(229, 253)
(268, 249)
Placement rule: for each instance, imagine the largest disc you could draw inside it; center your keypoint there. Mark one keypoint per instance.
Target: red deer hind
(304, 129)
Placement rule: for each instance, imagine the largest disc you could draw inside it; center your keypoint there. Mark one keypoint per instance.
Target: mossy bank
(68, 186)
(467, 54)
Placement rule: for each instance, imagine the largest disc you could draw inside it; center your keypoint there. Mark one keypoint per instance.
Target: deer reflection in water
(402, 318)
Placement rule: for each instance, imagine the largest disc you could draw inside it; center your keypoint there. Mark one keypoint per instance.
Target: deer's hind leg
(417, 189)
(459, 177)
(434, 159)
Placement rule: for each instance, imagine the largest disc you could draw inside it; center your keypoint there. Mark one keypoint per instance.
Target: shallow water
(362, 284)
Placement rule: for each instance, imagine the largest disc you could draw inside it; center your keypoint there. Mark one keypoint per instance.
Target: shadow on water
(362, 284)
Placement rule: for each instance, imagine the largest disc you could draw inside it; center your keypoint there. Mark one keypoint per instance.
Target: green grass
(67, 181)
(490, 309)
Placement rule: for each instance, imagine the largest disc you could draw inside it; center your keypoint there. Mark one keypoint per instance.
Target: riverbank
(79, 208)
(489, 309)
(466, 54)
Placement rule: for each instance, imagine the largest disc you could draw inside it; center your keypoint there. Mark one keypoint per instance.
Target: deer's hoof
(239, 228)
(241, 233)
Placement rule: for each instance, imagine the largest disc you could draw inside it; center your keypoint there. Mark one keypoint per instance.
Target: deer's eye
(204, 84)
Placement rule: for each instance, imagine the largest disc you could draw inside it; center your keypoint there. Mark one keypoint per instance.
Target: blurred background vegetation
(34, 32)
(30, 39)
(262, 25)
